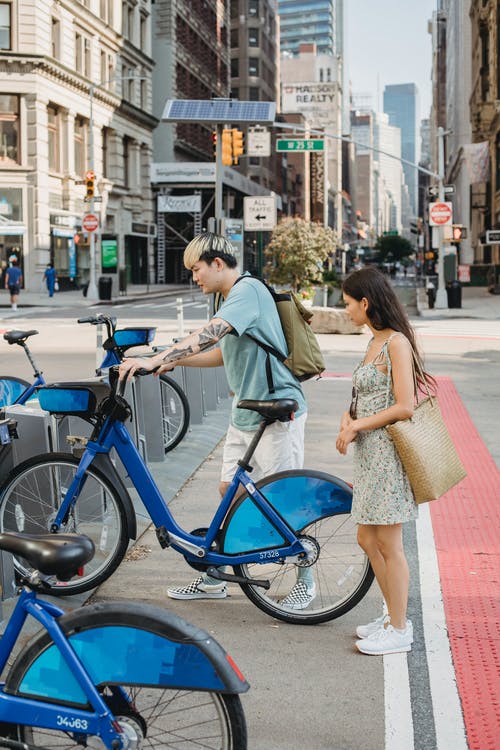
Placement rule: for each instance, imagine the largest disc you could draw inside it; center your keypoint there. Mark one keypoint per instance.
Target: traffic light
(90, 184)
(458, 233)
(214, 143)
(238, 144)
(227, 147)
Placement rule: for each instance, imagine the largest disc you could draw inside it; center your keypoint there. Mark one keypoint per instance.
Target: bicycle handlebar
(107, 320)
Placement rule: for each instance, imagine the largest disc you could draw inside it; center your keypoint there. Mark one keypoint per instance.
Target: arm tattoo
(204, 339)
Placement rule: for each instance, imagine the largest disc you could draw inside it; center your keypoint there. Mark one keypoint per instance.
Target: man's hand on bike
(130, 365)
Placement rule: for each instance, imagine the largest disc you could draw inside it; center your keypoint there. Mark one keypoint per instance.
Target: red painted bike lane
(466, 522)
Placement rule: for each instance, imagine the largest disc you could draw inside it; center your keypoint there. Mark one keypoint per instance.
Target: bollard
(180, 317)
(208, 308)
(325, 296)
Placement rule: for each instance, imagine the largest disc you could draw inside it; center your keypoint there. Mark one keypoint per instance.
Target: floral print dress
(381, 490)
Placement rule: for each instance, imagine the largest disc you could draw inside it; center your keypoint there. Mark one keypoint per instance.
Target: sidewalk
(477, 302)
(75, 297)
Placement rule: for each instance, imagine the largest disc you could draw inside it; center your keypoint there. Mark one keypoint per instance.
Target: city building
(76, 96)
(307, 21)
(401, 105)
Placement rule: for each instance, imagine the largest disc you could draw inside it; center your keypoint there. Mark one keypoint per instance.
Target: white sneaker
(386, 641)
(300, 596)
(365, 631)
(198, 589)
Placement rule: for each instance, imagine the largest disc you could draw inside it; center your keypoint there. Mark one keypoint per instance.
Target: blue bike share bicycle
(288, 520)
(174, 404)
(117, 676)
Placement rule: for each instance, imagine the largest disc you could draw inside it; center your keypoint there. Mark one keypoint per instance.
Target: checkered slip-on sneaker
(198, 589)
(300, 596)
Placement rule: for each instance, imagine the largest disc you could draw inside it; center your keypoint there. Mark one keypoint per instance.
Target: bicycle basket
(81, 399)
(126, 337)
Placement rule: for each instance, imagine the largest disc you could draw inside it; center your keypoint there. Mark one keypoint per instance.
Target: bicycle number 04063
(72, 723)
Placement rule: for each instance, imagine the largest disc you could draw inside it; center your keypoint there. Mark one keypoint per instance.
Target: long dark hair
(384, 309)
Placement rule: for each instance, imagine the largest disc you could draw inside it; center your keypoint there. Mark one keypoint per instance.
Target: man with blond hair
(248, 311)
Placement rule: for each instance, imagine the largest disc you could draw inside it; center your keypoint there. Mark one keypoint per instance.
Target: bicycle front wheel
(318, 507)
(10, 389)
(174, 411)
(191, 703)
(31, 497)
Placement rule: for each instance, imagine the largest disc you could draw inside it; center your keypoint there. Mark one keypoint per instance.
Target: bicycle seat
(281, 409)
(60, 555)
(16, 337)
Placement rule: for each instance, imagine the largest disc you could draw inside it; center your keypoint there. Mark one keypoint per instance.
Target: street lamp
(92, 293)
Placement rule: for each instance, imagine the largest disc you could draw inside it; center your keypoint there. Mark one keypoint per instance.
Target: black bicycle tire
(23, 382)
(228, 704)
(258, 596)
(83, 583)
(171, 443)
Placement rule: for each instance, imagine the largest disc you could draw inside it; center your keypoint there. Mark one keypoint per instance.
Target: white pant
(280, 448)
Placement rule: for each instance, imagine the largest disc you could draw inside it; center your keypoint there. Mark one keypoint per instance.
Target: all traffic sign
(440, 214)
(90, 222)
(259, 213)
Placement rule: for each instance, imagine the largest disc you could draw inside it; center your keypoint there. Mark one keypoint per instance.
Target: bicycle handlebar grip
(85, 320)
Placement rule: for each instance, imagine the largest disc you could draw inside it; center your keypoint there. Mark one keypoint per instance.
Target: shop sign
(109, 253)
(189, 204)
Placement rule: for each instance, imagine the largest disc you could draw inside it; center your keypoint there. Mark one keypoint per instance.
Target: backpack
(304, 359)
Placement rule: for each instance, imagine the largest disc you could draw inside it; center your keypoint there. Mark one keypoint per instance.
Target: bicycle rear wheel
(317, 506)
(202, 707)
(175, 412)
(11, 388)
(31, 496)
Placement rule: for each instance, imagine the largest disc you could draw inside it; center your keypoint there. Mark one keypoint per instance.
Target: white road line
(447, 711)
(398, 715)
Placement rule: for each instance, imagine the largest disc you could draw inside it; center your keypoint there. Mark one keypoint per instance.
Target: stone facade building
(75, 95)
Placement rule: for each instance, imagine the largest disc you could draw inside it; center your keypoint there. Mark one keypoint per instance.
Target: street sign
(300, 144)
(258, 142)
(259, 213)
(440, 214)
(433, 190)
(493, 236)
(90, 223)
(95, 198)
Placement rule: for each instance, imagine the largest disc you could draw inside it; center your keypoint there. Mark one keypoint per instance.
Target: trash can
(122, 280)
(105, 285)
(454, 293)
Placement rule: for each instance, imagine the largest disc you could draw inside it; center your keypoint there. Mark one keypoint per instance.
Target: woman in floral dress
(383, 393)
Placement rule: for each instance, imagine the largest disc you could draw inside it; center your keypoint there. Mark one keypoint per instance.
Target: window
(106, 150)
(497, 157)
(80, 141)
(78, 52)
(235, 38)
(55, 38)
(104, 67)
(253, 7)
(144, 33)
(126, 161)
(106, 11)
(253, 94)
(9, 130)
(54, 135)
(253, 37)
(253, 66)
(144, 94)
(235, 67)
(86, 57)
(5, 26)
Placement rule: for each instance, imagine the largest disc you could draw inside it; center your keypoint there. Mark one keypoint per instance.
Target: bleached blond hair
(208, 246)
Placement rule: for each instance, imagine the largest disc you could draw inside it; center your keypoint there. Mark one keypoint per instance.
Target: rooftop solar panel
(218, 110)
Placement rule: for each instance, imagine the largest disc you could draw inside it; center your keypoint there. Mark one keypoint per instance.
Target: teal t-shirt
(249, 308)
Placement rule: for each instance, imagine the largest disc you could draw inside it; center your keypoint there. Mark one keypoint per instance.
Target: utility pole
(441, 296)
(92, 288)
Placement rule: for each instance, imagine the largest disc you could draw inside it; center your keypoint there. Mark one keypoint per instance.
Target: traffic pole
(441, 296)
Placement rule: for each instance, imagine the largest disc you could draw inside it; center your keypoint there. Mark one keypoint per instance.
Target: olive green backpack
(304, 358)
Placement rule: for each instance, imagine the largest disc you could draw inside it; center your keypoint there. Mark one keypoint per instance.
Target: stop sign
(90, 222)
(440, 214)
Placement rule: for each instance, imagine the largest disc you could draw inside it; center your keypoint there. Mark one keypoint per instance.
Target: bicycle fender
(125, 644)
(300, 497)
(104, 464)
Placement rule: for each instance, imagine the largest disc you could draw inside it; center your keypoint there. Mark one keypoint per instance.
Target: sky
(387, 42)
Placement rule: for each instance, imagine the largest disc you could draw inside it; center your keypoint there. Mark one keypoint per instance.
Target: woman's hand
(347, 433)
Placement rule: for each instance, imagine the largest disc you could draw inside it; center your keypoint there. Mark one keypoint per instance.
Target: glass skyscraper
(401, 104)
(308, 21)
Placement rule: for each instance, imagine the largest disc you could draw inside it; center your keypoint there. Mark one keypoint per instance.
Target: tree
(393, 247)
(296, 253)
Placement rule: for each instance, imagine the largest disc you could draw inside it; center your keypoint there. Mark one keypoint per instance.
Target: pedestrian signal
(458, 232)
(238, 144)
(214, 143)
(227, 147)
(90, 184)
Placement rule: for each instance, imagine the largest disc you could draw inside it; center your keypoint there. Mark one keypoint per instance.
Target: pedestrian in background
(247, 308)
(383, 393)
(50, 277)
(13, 281)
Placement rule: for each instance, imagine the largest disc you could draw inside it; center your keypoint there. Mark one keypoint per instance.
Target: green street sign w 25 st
(300, 144)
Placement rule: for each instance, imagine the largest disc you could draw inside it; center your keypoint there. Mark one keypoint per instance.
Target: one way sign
(259, 213)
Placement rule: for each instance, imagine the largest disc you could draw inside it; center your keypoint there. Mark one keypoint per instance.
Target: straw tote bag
(426, 449)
